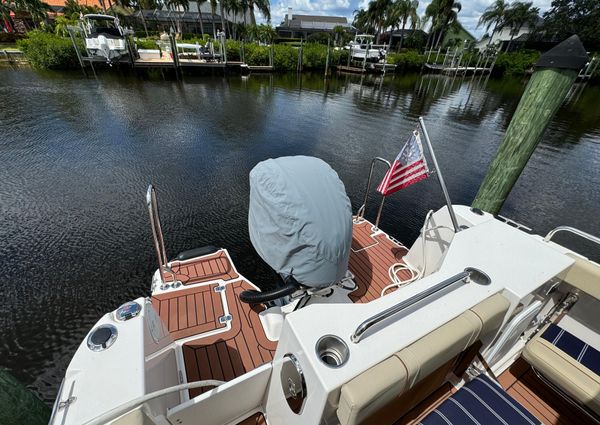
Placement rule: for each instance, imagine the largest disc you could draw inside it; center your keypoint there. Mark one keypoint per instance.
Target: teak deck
(212, 267)
(521, 382)
(227, 355)
(189, 312)
(239, 344)
(370, 260)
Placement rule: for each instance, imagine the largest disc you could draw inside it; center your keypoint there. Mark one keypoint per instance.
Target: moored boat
(104, 37)
(358, 328)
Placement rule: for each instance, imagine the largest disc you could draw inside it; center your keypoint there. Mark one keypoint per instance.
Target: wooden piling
(327, 58)
(555, 73)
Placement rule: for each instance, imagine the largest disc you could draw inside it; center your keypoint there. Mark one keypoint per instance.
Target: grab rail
(159, 242)
(361, 211)
(464, 276)
(573, 230)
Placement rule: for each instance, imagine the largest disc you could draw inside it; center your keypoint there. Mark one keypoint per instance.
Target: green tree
(446, 16)
(568, 17)
(363, 22)
(400, 12)
(493, 15)
(263, 7)
(517, 16)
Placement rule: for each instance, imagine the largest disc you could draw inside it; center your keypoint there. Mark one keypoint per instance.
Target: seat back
(388, 390)
(584, 275)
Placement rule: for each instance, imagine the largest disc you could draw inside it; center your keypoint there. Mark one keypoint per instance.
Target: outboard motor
(300, 223)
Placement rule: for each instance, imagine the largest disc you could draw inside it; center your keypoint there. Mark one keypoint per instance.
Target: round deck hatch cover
(127, 311)
(102, 337)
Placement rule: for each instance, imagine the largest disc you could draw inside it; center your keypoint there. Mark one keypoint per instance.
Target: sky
(468, 16)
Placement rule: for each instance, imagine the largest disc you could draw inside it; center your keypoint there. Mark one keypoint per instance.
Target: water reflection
(78, 154)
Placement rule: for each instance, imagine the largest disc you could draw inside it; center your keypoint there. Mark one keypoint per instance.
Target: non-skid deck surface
(370, 260)
(204, 269)
(190, 311)
(256, 419)
(227, 355)
(549, 407)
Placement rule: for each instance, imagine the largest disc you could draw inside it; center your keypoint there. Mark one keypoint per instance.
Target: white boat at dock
(362, 47)
(359, 328)
(104, 37)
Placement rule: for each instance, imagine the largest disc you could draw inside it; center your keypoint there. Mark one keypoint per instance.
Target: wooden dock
(12, 57)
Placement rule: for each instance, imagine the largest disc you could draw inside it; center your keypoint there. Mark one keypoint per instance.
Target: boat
(104, 37)
(478, 320)
(362, 46)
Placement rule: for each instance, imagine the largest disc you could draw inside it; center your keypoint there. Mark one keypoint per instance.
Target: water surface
(77, 155)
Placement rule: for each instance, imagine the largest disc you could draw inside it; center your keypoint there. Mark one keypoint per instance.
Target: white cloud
(468, 16)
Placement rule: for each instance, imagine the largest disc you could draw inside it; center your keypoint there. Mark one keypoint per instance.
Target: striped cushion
(480, 402)
(574, 347)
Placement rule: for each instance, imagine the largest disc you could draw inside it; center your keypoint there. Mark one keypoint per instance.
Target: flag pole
(440, 177)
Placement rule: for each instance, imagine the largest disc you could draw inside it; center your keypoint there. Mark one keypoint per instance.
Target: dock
(459, 61)
(12, 57)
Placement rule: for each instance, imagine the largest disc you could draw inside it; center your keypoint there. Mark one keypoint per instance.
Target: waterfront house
(302, 26)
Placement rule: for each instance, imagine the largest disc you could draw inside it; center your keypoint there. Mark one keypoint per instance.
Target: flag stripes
(409, 167)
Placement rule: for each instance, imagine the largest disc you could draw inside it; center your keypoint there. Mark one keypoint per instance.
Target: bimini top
(300, 219)
(99, 17)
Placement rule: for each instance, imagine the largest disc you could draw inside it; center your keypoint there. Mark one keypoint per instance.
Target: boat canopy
(300, 219)
(99, 17)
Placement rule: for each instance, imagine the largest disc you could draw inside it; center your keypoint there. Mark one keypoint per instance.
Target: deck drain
(226, 318)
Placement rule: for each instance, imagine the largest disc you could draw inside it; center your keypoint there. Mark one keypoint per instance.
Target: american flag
(408, 168)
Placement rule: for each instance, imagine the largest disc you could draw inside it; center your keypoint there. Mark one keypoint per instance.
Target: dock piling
(555, 72)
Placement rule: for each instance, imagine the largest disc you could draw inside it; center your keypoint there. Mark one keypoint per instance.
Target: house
(301, 26)
(501, 38)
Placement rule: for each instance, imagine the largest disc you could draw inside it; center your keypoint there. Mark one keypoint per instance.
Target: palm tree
(493, 15)
(432, 13)
(262, 6)
(447, 15)
(213, 10)
(517, 16)
(378, 11)
(362, 21)
(401, 11)
(199, 4)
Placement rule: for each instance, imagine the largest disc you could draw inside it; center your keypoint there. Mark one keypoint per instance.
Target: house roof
(61, 3)
(315, 22)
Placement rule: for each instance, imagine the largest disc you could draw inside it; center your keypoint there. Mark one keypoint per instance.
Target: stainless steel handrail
(361, 211)
(573, 230)
(159, 242)
(386, 314)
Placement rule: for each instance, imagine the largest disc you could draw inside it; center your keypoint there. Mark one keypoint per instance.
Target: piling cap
(570, 54)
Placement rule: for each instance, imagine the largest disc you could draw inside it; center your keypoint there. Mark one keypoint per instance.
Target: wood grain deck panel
(370, 260)
(227, 355)
(256, 419)
(209, 267)
(190, 311)
(542, 401)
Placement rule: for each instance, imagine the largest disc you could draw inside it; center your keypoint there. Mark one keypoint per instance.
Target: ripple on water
(78, 155)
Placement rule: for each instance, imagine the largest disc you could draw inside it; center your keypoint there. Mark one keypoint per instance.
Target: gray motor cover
(300, 219)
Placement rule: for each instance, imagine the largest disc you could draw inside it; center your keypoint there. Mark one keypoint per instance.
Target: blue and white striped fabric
(480, 402)
(574, 347)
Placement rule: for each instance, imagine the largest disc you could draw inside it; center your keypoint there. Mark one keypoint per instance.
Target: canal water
(76, 157)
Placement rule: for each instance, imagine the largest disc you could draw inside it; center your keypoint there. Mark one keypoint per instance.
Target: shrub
(410, 60)
(285, 57)
(146, 44)
(516, 63)
(49, 51)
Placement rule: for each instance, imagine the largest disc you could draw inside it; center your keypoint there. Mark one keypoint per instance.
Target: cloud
(468, 16)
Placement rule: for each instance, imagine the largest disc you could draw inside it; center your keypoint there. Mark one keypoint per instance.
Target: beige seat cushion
(584, 275)
(564, 371)
(371, 390)
(430, 356)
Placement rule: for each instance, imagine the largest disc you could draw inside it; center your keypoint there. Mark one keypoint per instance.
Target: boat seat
(481, 401)
(568, 362)
(584, 275)
(388, 390)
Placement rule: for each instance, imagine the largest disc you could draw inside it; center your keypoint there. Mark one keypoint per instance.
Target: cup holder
(332, 351)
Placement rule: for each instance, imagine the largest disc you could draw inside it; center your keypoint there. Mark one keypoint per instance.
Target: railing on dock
(459, 61)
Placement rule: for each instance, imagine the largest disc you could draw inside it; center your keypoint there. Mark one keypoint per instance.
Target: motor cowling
(300, 220)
